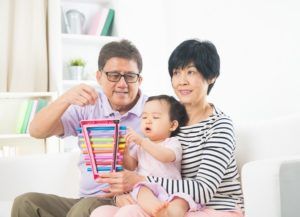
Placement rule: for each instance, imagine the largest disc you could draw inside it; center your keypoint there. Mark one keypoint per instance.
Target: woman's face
(189, 85)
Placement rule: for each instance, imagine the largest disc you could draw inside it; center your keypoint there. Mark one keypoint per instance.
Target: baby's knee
(105, 210)
(130, 211)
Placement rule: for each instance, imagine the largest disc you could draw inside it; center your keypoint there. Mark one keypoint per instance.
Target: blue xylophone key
(107, 128)
(103, 169)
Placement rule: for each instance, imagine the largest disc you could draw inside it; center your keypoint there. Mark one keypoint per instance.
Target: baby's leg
(178, 207)
(133, 210)
(106, 210)
(148, 201)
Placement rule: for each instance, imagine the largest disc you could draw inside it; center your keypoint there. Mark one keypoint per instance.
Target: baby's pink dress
(149, 166)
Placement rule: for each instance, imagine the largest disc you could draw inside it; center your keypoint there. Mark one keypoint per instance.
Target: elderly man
(119, 68)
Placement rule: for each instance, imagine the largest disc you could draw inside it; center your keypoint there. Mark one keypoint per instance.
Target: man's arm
(48, 121)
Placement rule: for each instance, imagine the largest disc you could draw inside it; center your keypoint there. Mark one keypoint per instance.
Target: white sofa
(268, 153)
(52, 173)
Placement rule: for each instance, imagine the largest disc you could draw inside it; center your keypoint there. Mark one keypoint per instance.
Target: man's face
(122, 95)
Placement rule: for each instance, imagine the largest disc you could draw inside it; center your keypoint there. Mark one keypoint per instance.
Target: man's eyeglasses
(129, 77)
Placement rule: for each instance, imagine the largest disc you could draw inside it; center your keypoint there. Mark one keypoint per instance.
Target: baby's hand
(133, 137)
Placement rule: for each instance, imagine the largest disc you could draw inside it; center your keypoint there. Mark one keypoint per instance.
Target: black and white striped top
(209, 169)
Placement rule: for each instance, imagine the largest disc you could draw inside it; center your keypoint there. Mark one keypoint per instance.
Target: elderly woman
(209, 169)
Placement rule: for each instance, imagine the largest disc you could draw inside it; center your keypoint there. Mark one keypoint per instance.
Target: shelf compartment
(87, 39)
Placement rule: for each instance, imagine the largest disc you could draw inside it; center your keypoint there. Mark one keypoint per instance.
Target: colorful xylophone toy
(102, 143)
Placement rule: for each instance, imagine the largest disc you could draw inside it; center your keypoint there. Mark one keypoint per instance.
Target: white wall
(258, 42)
(143, 23)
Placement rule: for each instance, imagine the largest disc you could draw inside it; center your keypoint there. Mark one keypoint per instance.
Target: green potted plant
(76, 68)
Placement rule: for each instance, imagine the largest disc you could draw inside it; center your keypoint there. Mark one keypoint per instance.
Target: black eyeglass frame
(125, 76)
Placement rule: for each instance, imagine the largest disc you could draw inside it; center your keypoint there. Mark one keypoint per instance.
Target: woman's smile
(185, 92)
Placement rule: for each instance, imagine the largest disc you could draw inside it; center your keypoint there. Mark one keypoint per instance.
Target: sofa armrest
(261, 186)
(290, 187)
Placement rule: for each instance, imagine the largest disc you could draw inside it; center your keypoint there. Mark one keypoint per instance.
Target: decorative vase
(76, 21)
(76, 72)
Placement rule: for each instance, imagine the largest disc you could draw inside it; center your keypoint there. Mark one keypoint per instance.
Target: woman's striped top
(209, 168)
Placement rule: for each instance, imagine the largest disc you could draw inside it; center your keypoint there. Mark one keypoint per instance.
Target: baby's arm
(159, 152)
(129, 162)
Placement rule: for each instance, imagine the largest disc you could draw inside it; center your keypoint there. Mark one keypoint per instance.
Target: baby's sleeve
(174, 144)
(133, 150)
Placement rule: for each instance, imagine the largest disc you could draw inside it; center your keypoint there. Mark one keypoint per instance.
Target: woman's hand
(120, 182)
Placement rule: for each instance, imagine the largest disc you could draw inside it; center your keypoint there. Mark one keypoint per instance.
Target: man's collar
(136, 109)
(107, 110)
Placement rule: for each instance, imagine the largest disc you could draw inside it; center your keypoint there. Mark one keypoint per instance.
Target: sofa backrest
(268, 139)
(59, 174)
(48, 173)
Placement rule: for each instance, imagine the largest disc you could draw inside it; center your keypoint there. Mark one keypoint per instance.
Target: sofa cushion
(47, 173)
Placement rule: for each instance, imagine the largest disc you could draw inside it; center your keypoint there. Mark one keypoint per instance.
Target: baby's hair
(176, 110)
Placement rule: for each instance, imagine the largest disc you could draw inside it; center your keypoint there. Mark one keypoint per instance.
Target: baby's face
(155, 123)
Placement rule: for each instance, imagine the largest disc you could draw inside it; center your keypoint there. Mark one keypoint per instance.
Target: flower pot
(76, 72)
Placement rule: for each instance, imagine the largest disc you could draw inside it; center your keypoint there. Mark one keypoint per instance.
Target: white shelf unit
(14, 136)
(83, 45)
(22, 144)
(65, 46)
(67, 84)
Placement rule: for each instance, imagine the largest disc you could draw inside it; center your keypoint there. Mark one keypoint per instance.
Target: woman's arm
(217, 164)
(215, 155)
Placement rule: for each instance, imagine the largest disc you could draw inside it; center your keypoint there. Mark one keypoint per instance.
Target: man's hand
(47, 122)
(120, 199)
(124, 199)
(120, 182)
(133, 137)
(81, 95)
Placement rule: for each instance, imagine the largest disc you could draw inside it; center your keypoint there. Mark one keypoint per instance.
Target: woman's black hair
(176, 110)
(203, 54)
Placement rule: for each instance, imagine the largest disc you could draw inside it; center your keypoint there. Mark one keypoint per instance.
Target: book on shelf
(106, 31)
(32, 113)
(26, 117)
(26, 113)
(97, 23)
(21, 115)
(102, 22)
(41, 104)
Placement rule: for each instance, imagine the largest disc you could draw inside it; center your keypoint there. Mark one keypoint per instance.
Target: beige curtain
(23, 45)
